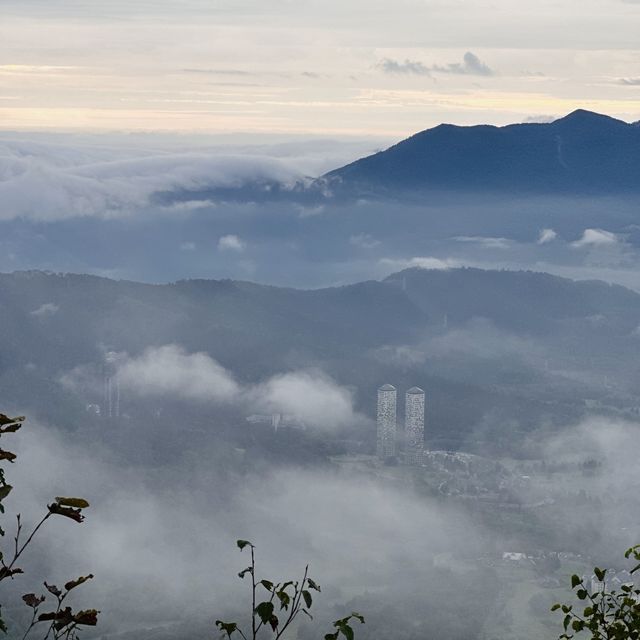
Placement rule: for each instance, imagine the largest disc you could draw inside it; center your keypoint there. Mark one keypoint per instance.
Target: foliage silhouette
(288, 599)
(58, 622)
(607, 614)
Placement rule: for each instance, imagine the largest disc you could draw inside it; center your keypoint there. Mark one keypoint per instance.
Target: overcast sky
(328, 67)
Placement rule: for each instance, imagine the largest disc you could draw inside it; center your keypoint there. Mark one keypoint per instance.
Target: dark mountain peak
(583, 152)
(590, 119)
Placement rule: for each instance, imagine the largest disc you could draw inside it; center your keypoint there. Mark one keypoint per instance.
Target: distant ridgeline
(491, 347)
(583, 152)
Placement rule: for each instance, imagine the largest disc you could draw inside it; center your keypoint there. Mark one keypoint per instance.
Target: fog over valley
(409, 364)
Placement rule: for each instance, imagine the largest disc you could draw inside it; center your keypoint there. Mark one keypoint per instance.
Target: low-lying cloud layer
(310, 395)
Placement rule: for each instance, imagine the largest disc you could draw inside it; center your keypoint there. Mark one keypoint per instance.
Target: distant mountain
(529, 347)
(583, 152)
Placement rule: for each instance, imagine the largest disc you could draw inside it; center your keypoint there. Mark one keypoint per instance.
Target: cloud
(364, 241)
(310, 395)
(408, 67)
(486, 242)
(46, 309)
(426, 262)
(231, 243)
(547, 235)
(596, 238)
(48, 178)
(630, 82)
(471, 65)
(542, 119)
(170, 370)
(187, 246)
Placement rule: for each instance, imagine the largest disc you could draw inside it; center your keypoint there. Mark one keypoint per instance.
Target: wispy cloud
(471, 65)
(547, 235)
(231, 243)
(364, 241)
(596, 238)
(408, 67)
(420, 262)
(486, 242)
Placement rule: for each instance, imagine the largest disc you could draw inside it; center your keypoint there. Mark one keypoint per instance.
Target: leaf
(51, 588)
(284, 598)
(7, 573)
(273, 621)
(575, 581)
(357, 616)
(267, 584)
(600, 573)
(76, 503)
(5, 490)
(582, 594)
(566, 621)
(87, 617)
(7, 455)
(243, 543)
(67, 512)
(7, 420)
(313, 585)
(72, 584)
(227, 627)
(308, 600)
(346, 631)
(244, 572)
(555, 606)
(265, 611)
(32, 600)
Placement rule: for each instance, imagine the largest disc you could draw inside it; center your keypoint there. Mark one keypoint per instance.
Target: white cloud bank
(310, 395)
(231, 243)
(595, 238)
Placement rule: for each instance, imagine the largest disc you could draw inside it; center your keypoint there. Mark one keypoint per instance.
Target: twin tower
(387, 437)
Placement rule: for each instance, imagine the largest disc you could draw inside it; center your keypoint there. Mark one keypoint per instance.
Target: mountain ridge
(582, 152)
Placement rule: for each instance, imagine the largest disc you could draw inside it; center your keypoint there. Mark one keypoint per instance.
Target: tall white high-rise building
(386, 433)
(414, 425)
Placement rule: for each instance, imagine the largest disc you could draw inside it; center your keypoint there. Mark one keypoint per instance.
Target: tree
(61, 621)
(285, 599)
(607, 614)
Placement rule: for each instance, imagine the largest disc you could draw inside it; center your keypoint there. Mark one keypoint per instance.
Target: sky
(358, 68)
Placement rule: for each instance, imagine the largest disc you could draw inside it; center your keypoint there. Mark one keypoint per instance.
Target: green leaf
(243, 543)
(600, 573)
(227, 627)
(575, 581)
(566, 621)
(556, 606)
(313, 585)
(357, 616)
(244, 572)
(284, 598)
(267, 584)
(582, 594)
(5, 490)
(265, 611)
(72, 584)
(346, 631)
(308, 600)
(76, 503)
